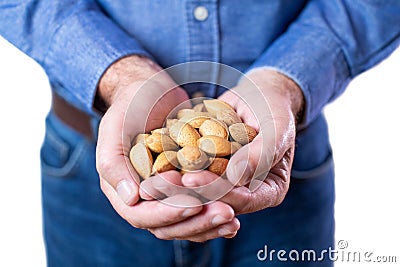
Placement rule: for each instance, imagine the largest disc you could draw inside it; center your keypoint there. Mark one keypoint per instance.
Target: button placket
(203, 39)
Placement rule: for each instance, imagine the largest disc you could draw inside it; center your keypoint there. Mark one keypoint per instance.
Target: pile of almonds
(203, 137)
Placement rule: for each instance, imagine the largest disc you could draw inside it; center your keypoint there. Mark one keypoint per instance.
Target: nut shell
(214, 105)
(242, 133)
(235, 146)
(185, 113)
(228, 116)
(214, 127)
(140, 138)
(192, 158)
(165, 161)
(184, 134)
(161, 131)
(160, 142)
(199, 107)
(170, 122)
(142, 160)
(195, 121)
(215, 146)
(218, 166)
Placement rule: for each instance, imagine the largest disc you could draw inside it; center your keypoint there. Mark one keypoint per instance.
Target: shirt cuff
(82, 48)
(313, 59)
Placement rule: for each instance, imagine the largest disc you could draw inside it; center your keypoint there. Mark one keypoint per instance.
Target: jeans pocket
(318, 171)
(62, 148)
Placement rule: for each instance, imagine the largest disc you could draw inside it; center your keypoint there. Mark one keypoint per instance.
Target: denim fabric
(82, 229)
(319, 44)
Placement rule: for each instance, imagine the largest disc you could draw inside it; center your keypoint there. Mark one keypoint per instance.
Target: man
(98, 54)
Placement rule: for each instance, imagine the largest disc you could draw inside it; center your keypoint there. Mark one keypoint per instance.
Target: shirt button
(200, 13)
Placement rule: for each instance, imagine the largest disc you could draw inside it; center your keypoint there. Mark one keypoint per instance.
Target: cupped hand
(260, 170)
(138, 98)
(121, 85)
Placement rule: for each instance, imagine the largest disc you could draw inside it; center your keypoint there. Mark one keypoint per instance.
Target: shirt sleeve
(74, 41)
(330, 43)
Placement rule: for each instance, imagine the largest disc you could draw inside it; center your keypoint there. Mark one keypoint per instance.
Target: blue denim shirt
(320, 44)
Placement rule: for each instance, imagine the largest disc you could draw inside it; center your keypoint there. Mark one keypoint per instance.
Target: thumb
(112, 158)
(254, 160)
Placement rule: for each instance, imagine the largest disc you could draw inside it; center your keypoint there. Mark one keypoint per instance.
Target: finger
(273, 145)
(253, 161)
(228, 230)
(207, 184)
(112, 161)
(212, 216)
(153, 214)
(262, 194)
(242, 108)
(162, 185)
(243, 200)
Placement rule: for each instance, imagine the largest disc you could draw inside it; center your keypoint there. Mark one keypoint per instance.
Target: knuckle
(281, 189)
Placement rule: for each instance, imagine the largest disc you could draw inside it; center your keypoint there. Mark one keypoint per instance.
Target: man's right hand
(122, 121)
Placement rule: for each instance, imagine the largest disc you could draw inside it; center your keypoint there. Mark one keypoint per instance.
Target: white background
(364, 132)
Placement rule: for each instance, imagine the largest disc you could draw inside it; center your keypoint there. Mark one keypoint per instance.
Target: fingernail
(188, 181)
(218, 220)
(242, 172)
(189, 212)
(125, 190)
(223, 231)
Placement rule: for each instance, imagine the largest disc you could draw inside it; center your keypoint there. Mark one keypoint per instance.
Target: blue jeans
(82, 229)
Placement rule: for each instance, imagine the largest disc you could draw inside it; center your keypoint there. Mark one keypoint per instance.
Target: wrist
(121, 74)
(282, 87)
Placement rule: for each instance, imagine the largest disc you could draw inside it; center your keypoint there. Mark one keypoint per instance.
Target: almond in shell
(158, 143)
(199, 107)
(185, 113)
(218, 166)
(195, 121)
(170, 122)
(235, 146)
(192, 158)
(165, 161)
(142, 160)
(161, 131)
(228, 116)
(214, 105)
(242, 133)
(140, 138)
(214, 127)
(215, 146)
(184, 134)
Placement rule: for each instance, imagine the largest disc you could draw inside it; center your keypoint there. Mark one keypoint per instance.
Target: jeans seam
(178, 252)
